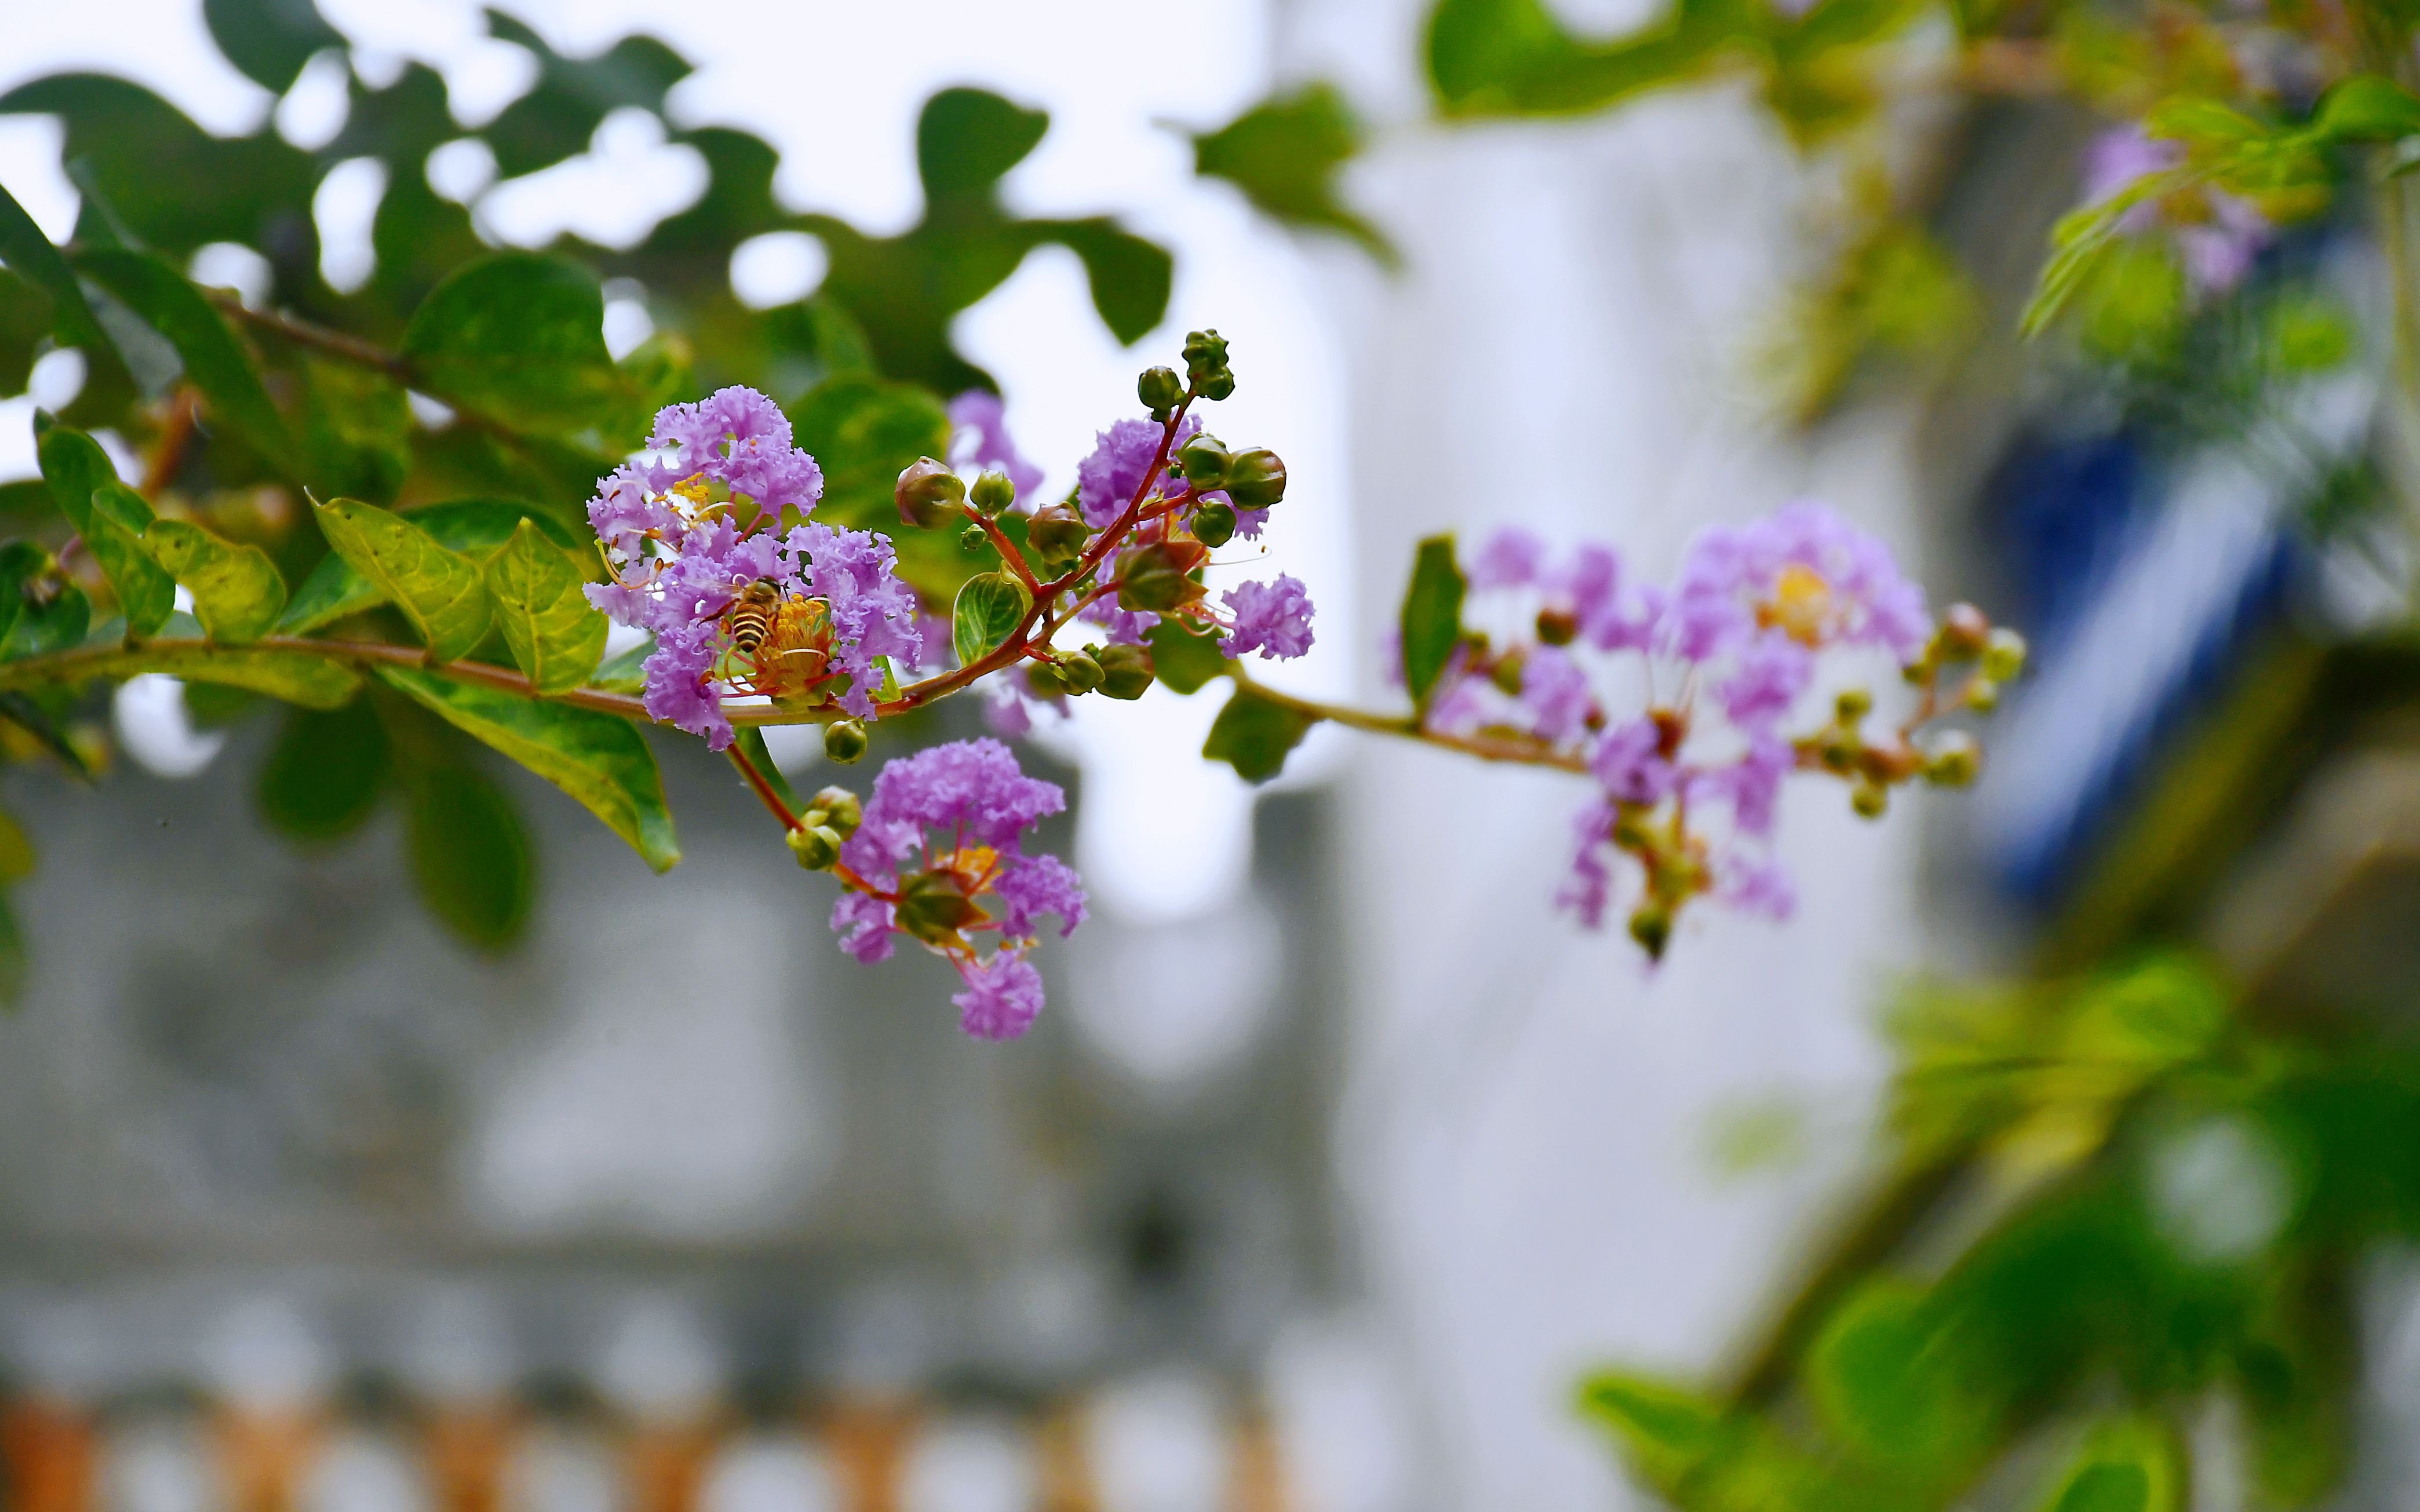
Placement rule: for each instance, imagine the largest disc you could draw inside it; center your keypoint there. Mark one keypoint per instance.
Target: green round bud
(1204, 351)
(1214, 524)
(1160, 390)
(1217, 385)
(1080, 672)
(992, 493)
(1982, 695)
(845, 741)
(972, 539)
(1507, 672)
(1558, 627)
(841, 809)
(1652, 927)
(1256, 479)
(1868, 798)
(1838, 755)
(929, 494)
(2004, 654)
(1964, 631)
(1158, 577)
(1954, 761)
(1853, 704)
(1057, 535)
(1044, 678)
(1127, 671)
(816, 846)
(1203, 462)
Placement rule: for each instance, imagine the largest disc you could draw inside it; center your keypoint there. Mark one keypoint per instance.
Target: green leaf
(29, 253)
(861, 431)
(988, 609)
(237, 591)
(1183, 661)
(1512, 57)
(751, 743)
(469, 853)
(73, 465)
(1284, 154)
(477, 527)
(520, 339)
(1130, 277)
(1881, 1373)
(215, 363)
(268, 41)
(555, 635)
(30, 716)
(627, 672)
(16, 851)
(147, 595)
(297, 677)
(1431, 616)
(323, 778)
(967, 139)
(1254, 733)
(1669, 1430)
(599, 760)
(2366, 107)
(2080, 242)
(24, 325)
(12, 958)
(442, 593)
(2128, 1465)
(58, 622)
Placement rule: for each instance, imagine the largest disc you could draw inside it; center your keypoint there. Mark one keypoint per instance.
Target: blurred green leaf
(13, 963)
(555, 635)
(470, 853)
(476, 528)
(599, 760)
(967, 139)
(1284, 154)
(30, 256)
(2366, 107)
(24, 326)
(147, 595)
(2082, 237)
(356, 431)
(1513, 57)
(627, 672)
(1431, 621)
(989, 607)
(572, 96)
(1183, 661)
(41, 624)
(1255, 733)
(442, 593)
(215, 363)
(2128, 1465)
(520, 339)
(297, 677)
(323, 778)
(750, 742)
(1130, 277)
(237, 591)
(17, 860)
(268, 41)
(1885, 1373)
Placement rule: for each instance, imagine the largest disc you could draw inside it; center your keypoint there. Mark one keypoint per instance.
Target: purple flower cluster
(956, 815)
(2217, 235)
(1731, 646)
(1273, 619)
(679, 557)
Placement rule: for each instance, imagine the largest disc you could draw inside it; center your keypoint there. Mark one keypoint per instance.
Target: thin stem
(771, 799)
(175, 434)
(1008, 551)
(1518, 751)
(305, 333)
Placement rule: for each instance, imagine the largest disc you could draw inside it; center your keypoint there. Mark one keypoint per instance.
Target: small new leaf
(599, 760)
(1255, 733)
(444, 593)
(555, 635)
(237, 591)
(147, 595)
(989, 607)
(1431, 617)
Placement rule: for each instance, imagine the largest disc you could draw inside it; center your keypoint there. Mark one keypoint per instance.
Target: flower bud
(1853, 704)
(972, 539)
(1057, 535)
(1651, 925)
(1214, 524)
(1127, 671)
(992, 493)
(1558, 627)
(1203, 462)
(816, 846)
(1044, 679)
(1964, 629)
(845, 741)
(2004, 654)
(929, 494)
(1868, 798)
(932, 909)
(1954, 761)
(1256, 479)
(841, 809)
(1160, 390)
(1159, 577)
(1205, 364)
(1506, 672)
(1079, 672)
(1982, 695)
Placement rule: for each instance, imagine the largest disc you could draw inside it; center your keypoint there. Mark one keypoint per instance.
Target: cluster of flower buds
(830, 818)
(1759, 620)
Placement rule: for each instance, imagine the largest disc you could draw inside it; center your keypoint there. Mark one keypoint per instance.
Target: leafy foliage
(1284, 154)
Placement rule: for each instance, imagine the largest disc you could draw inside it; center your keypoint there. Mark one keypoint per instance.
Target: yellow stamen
(1802, 605)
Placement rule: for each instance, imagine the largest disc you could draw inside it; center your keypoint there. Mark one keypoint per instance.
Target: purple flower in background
(1772, 670)
(1555, 695)
(1757, 884)
(1002, 996)
(1630, 763)
(1272, 618)
(1107, 481)
(1751, 785)
(1512, 558)
(2218, 245)
(1590, 886)
(981, 412)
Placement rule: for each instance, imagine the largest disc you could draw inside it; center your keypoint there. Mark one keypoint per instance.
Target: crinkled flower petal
(1034, 886)
(1002, 996)
(1272, 618)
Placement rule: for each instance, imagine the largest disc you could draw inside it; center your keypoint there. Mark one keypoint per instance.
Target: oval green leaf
(1254, 733)
(237, 591)
(1431, 616)
(520, 339)
(442, 593)
(476, 528)
(989, 607)
(555, 635)
(297, 677)
(215, 362)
